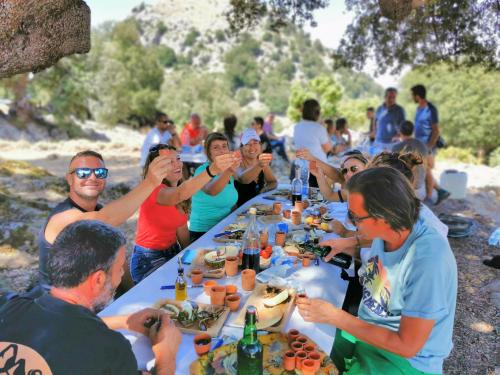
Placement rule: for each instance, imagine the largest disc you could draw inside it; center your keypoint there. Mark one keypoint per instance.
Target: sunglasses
(356, 219)
(353, 169)
(84, 173)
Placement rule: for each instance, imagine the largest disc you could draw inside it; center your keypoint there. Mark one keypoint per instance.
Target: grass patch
(10, 168)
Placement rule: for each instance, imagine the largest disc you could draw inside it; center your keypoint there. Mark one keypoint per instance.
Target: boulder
(35, 34)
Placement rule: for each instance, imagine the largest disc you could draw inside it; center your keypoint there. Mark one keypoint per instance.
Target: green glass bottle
(250, 350)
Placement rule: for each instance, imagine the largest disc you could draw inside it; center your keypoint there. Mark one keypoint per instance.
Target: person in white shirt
(310, 134)
(161, 133)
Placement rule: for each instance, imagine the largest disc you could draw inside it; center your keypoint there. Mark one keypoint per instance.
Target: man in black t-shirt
(86, 177)
(258, 126)
(61, 325)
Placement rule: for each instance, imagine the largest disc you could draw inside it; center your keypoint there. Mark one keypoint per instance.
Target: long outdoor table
(321, 281)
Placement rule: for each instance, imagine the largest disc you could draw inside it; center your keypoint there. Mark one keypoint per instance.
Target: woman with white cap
(254, 175)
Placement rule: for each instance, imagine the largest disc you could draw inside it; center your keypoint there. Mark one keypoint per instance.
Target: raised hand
(159, 168)
(223, 162)
(305, 154)
(265, 159)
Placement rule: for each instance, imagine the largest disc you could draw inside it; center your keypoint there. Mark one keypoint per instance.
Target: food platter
(193, 317)
(274, 307)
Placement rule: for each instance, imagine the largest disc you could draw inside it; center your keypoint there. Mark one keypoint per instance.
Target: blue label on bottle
(251, 251)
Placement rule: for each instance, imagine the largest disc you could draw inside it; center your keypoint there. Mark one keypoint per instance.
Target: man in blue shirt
(388, 118)
(427, 131)
(406, 315)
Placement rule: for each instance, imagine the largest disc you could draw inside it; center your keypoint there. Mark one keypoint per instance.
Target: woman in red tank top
(162, 225)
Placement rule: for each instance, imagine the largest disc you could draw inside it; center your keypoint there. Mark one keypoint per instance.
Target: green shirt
(208, 210)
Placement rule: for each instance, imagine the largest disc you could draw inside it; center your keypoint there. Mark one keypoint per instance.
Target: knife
(163, 287)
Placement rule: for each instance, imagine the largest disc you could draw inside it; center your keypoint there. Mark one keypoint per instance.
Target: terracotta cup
(308, 367)
(196, 276)
(287, 214)
(289, 360)
(233, 302)
(305, 204)
(299, 357)
(299, 206)
(296, 218)
(322, 210)
(264, 239)
(280, 238)
(302, 340)
(306, 261)
(231, 289)
(208, 286)
(277, 208)
(309, 348)
(232, 265)
(202, 343)
(217, 295)
(292, 335)
(248, 279)
(301, 296)
(316, 357)
(297, 346)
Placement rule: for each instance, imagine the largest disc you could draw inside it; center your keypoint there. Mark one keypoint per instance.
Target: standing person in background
(230, 122)
(370, 115)
(162, 229)
(388, 118)
(427, 131)
(162, 132)
(218, 197)
(175, 140)
(194, 133)
(254, 175)
(310, 134)
(257, 125)
(340, 143)
(276, 142)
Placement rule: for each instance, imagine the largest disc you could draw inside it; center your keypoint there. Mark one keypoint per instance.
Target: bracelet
(208, 171)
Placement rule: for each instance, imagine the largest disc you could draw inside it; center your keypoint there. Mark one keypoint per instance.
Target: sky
(332, 21)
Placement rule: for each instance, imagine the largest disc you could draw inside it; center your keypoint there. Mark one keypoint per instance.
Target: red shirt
(157, 225)
(190, 135)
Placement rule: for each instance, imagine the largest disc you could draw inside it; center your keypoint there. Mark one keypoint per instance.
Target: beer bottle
(250, 350)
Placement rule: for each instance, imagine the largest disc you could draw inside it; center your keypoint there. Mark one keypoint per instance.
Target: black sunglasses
(84, 173)
(355, 219)
(353, 169)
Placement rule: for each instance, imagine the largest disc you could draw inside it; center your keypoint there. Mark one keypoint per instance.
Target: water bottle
(296, 186)
(304, 177)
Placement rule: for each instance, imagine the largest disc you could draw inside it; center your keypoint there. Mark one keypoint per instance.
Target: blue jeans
(145, 261)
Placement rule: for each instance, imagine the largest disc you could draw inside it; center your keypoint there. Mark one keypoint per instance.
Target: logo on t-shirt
(376, 287)
(21, 360)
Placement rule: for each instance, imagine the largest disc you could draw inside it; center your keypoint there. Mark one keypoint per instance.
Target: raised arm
(329, 171)
(173, 195)
(118, 211)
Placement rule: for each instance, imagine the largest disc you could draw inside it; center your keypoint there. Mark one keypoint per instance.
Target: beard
(105, 298)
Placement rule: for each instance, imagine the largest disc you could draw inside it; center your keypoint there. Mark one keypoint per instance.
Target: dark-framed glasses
(356, 219)
(352, 168)
(84, 173)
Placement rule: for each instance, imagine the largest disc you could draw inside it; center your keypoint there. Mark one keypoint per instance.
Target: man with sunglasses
(163, 132)
(86, 178)
(405, 319)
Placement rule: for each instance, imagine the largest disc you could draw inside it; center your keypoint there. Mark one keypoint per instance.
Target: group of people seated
(405, 306)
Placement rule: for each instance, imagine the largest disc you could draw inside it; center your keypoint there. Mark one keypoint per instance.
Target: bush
(464, 155)
(220, 35)
(166, 56)
(267, 37)
(244, 96)
(191, 37)
(494, 159)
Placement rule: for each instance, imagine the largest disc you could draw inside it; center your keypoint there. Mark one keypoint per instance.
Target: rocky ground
(31, 182)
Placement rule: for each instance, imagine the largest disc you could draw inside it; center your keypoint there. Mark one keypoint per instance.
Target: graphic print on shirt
(21, 360)
(376, 287)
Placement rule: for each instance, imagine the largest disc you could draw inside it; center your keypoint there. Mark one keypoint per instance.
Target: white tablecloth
(319, 282)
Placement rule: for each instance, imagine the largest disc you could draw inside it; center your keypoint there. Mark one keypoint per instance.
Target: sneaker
(442, 195)
(428, 202)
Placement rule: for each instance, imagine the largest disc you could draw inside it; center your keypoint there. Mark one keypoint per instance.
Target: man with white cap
(254, 175)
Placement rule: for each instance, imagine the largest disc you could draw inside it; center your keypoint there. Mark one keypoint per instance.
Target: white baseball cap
(248, 135)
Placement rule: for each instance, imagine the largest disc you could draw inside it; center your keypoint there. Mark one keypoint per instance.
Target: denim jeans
(145, 261)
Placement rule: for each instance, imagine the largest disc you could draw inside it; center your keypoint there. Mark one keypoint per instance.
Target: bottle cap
(251, 310)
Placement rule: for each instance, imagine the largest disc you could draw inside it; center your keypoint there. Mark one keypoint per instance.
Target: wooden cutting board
(272, 319)
(214, 328)
(199, 262)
